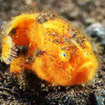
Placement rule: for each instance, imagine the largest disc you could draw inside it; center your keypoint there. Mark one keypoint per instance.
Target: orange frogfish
(50, 47)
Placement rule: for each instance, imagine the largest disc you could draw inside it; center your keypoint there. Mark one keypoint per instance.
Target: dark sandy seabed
(30, 90)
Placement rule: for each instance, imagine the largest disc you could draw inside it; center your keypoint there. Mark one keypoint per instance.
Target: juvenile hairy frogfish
(50, 47)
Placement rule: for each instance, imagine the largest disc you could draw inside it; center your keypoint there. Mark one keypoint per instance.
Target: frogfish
(50, 47)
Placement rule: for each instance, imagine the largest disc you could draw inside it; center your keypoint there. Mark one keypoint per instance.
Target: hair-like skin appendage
(56, 51)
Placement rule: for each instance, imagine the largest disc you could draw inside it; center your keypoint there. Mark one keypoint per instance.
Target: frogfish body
(50, 47)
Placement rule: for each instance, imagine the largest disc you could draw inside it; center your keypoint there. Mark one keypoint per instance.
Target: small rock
(100, 97)
(89, 20)
(97, 30)
(28, 2)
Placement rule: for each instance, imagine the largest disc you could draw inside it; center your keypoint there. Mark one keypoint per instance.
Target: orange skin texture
(68, 58)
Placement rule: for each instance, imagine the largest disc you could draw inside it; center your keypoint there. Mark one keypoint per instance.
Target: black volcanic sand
(28, 89)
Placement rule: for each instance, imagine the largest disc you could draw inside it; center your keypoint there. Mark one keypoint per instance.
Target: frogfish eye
(63, 54)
